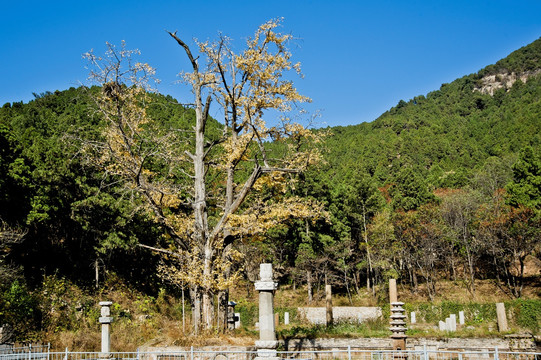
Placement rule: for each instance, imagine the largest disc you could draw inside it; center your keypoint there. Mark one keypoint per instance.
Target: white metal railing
(10, 349)
(335, 354)
(23, 352)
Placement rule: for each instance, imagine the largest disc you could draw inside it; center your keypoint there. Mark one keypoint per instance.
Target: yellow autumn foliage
(231, 187)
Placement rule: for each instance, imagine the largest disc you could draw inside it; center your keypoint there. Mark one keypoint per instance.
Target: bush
(528, 314)
(19, 308)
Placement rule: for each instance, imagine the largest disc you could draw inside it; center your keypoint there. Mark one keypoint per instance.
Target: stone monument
(328, 305)
(398, 326)
(393, 293)
(502, 317)
(267, 344)
(105, 321)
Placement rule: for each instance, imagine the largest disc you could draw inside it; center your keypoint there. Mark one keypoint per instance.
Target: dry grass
(486, 291)
(143, 321)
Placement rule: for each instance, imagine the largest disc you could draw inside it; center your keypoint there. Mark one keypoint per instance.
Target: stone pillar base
(399, 344)
(266, 350)
(266, 354)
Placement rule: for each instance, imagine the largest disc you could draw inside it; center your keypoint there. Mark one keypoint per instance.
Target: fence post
(425, 352)
(349, 352)
(66, 356)
(496, 353)
(191, 352)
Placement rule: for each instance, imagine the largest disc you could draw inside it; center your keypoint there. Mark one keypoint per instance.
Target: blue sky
(359, 58)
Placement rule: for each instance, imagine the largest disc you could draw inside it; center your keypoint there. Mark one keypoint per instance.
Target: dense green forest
(446, 185)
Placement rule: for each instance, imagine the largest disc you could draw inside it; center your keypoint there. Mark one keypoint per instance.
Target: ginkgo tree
(208, 188)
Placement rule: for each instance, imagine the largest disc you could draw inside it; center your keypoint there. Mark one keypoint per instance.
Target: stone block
(452, 318)
(443, 326)
(265, 272)
(502, 317)
(317, 315)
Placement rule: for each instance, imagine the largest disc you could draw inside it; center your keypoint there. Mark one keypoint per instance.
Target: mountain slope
(453, 130)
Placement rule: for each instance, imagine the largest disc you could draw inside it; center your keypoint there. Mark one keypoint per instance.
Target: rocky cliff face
(491, 83)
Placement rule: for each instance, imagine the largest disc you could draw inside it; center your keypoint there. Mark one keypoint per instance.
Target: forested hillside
(424, 190)
(443, 186)
(69, 212)
(451, 132)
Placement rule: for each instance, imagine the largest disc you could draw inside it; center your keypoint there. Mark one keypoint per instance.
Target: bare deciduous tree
(8, 237)
(210, 189)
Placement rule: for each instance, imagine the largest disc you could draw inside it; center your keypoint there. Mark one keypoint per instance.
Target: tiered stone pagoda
(398, 326)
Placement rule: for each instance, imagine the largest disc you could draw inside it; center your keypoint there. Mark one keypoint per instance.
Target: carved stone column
(267, 344)
(105, 321)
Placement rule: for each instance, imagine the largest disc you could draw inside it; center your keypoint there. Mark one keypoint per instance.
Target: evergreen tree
(525, 189)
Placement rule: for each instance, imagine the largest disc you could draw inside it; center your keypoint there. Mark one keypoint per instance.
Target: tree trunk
(347, 286)
(369, 282)
(521, 278)
(195, 295)
(208, 308)
(356, 276)
(223, 300)
(97, 274)
(309, 284)
(223, 295)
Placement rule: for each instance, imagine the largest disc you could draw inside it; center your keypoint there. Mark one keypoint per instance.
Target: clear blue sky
(359, 58)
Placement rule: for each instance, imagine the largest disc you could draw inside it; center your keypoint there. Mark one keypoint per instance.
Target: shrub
(19, 308)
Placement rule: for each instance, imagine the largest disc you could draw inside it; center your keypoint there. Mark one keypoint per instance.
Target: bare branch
(237, 202)
(168, 252)
(187, 49)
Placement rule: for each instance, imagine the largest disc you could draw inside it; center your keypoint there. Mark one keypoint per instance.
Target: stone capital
(106, 319)
(266, 285)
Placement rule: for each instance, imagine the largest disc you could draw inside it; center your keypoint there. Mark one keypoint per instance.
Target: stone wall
(317, 315)
(508, 343)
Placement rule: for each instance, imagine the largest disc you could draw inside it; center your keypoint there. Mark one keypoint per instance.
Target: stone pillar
(453, 322)
(231, 315)
(393, 295)
(237, 320)
(105, 321)
(502, 317)
(328, 303)
(448, 325)
(413, 318)
(442, 325)
(461, 317)
(286, 318)
(267, 344)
